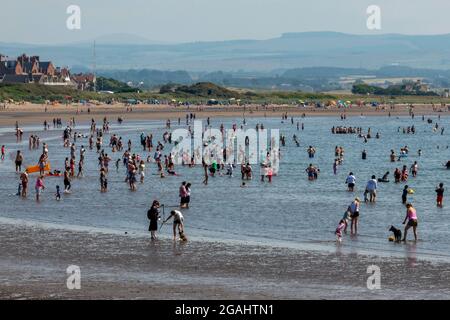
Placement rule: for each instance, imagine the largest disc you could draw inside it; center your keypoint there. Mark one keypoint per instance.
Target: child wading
(440, 195)
(342, 225)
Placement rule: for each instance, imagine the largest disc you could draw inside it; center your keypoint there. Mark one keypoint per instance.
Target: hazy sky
(44, 21)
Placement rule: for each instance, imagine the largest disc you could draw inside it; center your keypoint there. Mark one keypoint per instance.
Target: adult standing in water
(354, 211)
(67, 184)
(371, 187)
(350, 181)
(18, 161)
(153, 216)
(178, 223)
(411, 216)
(183, 194)
(440, 195)
(24, 181)
(39, 187)
(188, 195)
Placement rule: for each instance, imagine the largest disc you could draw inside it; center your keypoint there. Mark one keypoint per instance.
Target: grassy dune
(196, 93)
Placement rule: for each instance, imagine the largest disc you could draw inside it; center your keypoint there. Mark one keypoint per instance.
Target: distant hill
(289, 51)
(148, 78)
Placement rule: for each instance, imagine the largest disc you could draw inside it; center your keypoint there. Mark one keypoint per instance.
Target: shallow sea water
(289, 212)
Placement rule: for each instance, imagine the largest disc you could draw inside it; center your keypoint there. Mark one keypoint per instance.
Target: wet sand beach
(35, 113)
(33, 263)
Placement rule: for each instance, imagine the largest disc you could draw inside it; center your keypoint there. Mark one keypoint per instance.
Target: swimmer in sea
(385, 177)
(18, 161)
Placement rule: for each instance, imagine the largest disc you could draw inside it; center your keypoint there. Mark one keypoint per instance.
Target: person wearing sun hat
(353, 208)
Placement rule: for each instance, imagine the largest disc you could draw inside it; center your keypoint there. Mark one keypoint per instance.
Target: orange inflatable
(33, 169)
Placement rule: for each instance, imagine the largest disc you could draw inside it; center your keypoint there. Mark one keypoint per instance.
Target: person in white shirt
(178, 222)
(350, 181)
(371, 187)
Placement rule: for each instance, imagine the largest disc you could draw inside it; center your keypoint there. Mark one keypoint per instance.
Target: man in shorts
(178, 223)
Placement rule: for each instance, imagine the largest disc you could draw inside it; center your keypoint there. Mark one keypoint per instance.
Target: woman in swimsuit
(411, 216)
(19, 160)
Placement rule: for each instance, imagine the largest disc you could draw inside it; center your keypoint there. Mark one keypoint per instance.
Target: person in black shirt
(153, 216)
(447, 165)
(440, 195)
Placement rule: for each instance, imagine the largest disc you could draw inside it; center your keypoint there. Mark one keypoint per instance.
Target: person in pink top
(411, 216)
(183, 194)
(39, 186)
(342, 225)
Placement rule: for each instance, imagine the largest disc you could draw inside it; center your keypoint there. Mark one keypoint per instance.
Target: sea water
(291, 211)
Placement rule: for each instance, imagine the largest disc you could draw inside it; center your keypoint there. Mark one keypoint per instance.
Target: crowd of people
(136, 163)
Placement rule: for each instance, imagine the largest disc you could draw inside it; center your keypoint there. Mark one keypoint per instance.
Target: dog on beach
(397, 233)
(183, 236)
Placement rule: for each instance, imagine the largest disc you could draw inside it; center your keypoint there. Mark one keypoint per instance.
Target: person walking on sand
(411, 216)
(153, 216)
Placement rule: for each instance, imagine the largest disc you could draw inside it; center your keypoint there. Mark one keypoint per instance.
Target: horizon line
(170, 43)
